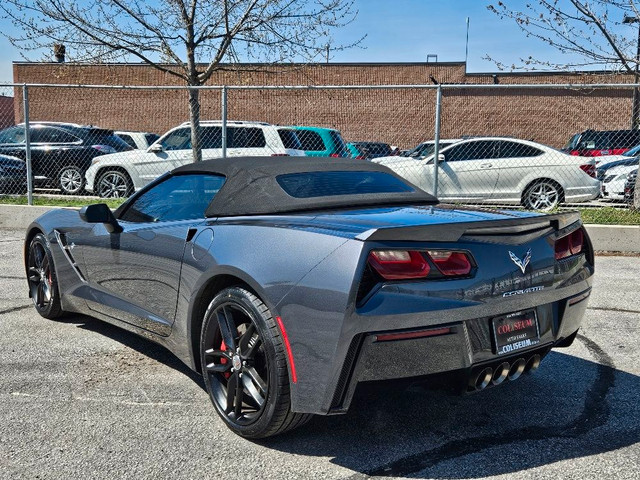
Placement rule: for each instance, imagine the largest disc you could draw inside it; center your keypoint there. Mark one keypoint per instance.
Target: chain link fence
(500, 146)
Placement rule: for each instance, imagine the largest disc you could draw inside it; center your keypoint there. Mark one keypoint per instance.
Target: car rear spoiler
(509, 231)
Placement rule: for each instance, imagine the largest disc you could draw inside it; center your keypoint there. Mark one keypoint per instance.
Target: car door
(514, 161)
(176, 151)
(469, 170)
(134, 275)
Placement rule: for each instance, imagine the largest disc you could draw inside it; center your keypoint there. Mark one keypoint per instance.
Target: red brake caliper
(223, 360)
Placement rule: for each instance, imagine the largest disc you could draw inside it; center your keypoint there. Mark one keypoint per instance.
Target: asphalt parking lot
(82, 399)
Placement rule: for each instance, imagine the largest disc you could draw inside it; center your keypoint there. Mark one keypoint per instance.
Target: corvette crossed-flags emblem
(521, 263)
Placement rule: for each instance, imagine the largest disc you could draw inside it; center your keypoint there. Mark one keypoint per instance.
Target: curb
(609, 238)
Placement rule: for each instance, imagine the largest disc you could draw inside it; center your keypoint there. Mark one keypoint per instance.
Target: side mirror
(100, 213)
(156, 148)
(431, 160)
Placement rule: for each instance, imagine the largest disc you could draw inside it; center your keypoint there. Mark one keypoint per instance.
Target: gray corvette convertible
(286, 282)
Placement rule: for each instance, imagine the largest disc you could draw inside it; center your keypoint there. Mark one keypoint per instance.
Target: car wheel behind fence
(542, 195)
(114, 184)
(71, 180)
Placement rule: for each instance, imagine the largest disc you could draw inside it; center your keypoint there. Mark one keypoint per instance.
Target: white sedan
(502, 171)
(614, 181)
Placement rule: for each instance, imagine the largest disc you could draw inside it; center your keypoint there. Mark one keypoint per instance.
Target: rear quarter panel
(249, 253)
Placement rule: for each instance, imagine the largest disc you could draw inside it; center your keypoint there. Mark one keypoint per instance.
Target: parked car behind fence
(322, 142)
(119, 175)
(138, 140)
(502, 171)
(594, 143)
(61, 153)
(369, 150)
(13, 175)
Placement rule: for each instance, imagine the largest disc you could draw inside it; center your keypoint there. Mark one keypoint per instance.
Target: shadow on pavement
(565, 410)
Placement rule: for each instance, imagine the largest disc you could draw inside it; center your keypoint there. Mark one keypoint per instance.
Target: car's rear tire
(244, 366)
(114, 184)
(71, 180)
(542, 194)
(43, 284)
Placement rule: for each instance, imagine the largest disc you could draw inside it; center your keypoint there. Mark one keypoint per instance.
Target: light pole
(636, 100)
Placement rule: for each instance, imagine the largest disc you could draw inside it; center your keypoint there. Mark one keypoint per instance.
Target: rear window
(327, 184)
(375, 150)
(128, 139)
(245, 137)
(340, 146)
(311, 141)
(107, 137)
(289, 139)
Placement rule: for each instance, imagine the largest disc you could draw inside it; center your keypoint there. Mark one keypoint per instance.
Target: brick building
(7, 115)
(400, 116)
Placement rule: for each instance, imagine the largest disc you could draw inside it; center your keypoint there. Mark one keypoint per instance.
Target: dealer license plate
(516, 331)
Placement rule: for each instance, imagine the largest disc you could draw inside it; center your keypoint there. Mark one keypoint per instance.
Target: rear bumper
(466, 349)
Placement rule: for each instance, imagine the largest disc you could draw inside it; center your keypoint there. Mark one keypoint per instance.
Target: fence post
(27, 143)
(436, 138)
(224, 122)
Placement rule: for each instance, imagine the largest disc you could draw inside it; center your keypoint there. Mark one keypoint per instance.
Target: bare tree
(602, 33)
(188, 39)
(590, 32)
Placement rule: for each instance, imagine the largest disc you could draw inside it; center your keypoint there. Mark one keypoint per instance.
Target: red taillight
(408, 264)
(575, 153)
(361, 157)
(399, 264)
(335, 155)
(589, 169)
(571, 244)
(451, 263)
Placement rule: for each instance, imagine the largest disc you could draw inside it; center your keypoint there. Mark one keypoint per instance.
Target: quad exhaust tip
(500, 373)
(482, 379)
(532, 364)
(504, 371)
(517, 369)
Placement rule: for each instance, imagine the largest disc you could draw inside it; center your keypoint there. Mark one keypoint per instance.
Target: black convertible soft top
(252, 186)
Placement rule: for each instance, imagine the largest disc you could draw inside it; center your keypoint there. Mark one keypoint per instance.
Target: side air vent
(67, 250)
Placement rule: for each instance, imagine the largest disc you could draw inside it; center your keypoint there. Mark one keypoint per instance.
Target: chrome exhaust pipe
(482, 379)
(532, 364)
(500, 373)
(517, 369)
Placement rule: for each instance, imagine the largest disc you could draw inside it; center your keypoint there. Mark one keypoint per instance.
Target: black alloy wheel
(43, 287)
(244, 366)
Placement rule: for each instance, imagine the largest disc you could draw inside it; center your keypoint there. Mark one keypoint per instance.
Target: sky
(406, 31)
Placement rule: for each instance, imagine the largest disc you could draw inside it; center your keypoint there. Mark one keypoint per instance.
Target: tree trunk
(194, 118)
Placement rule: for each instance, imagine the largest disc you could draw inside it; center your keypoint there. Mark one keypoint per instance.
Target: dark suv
(61, 153)
(594, 143)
